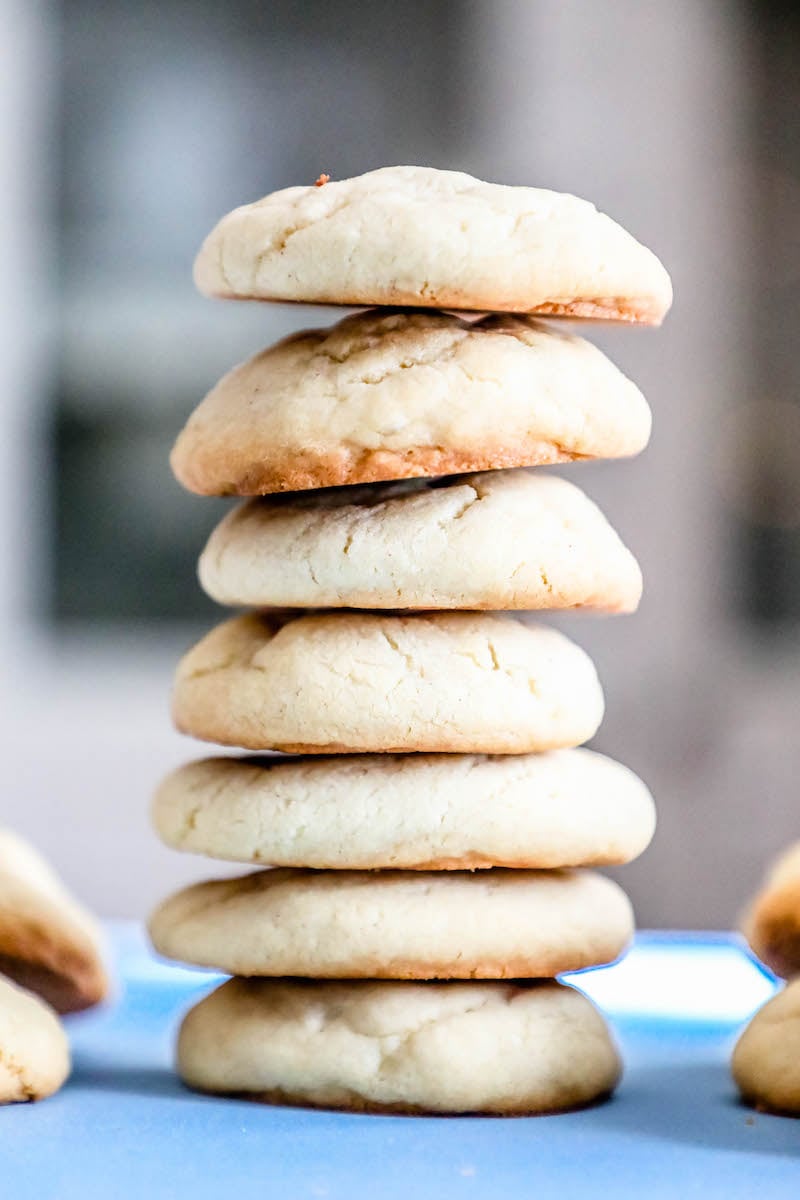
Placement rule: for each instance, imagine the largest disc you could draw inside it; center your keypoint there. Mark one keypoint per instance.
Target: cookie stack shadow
(430, 823)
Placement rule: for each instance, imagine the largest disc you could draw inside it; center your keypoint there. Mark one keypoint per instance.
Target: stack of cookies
(425, 819)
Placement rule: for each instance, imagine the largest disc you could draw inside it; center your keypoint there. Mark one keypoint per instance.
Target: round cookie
(48, 942)
(498, 924)
(394, 395)
(440, 239)
(766, 1060)
(502, 540)
(772, 924)
(346, 682)
(414, 812)
(400, 1047)
(34, 1052)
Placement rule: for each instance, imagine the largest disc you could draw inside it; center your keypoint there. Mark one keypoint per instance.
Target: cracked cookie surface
(441, 239)
(388, 395)
(400, 1047)
(349, 682)
(501, 540)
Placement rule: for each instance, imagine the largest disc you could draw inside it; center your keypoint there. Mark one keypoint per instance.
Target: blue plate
(123, 1127)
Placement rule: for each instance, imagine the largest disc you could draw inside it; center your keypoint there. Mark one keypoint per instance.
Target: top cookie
(434, 239)
(48, 942)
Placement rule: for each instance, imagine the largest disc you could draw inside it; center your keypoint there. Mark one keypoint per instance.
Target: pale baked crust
(498, 924)
(388, 395)
(414, 812)
(351, 682)
(48, 942)
(439, 239)
(400, 1047)
(503, 540)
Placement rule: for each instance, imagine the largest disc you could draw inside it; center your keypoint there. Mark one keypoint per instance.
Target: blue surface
(123, 1127)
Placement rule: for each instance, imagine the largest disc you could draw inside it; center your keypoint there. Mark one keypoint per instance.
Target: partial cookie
(400, 1047)
(496, 924)
(48, 942)
(772, 924)
(34, 1052)
(344, 682)
(502, 540)
(440, 239)
(766, 1061)
(396, 395)
(416, 812)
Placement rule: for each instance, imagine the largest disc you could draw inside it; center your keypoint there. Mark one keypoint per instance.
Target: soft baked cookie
(772, 924)
(34, 1052)
(416, 811)
(498, 924)
(344, 682)
(394, 395)
(766, 1060)
(501, 540)
(400, 1047)
(440, 239)
(48, 942)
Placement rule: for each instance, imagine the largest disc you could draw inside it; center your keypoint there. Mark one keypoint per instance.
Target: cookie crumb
(322, 180)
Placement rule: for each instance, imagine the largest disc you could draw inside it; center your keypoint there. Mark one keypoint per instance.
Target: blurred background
(127, 130)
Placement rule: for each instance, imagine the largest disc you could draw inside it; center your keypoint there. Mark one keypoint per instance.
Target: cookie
(440, 239)
(400, 1047)
(766, 1060)
(397, 395)
(498, 924)
(34, 1052)
(772, 924)
(48, 942)
(501, 540)
(416, 812)
(343, 682)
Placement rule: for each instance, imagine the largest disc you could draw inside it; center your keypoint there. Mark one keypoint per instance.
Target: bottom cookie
(454, 1047)
(766, 1060)
(34, 1054)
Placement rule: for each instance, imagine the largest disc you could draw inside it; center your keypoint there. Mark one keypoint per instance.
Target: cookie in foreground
(495, 924)
(502, 540)
(394, 395)
(440, 239)
(433, 812)
(772, 923)
(347, 682)
(503, 1048)
(34, 1052)
(49, 943)
(766, 1060)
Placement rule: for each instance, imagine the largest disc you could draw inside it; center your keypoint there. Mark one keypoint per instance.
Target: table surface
(124, 1126)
